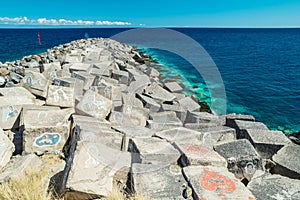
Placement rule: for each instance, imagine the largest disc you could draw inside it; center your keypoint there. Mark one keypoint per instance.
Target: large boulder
(158, 93)
(60, 96)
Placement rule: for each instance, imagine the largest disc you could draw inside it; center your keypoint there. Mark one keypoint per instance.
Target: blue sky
(152, 13)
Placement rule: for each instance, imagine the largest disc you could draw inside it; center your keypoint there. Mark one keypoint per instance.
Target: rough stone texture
(241, 156)
(266, 143)
(158, 93)
(130, 132)
(130, 99)
(94, 168)
(274, 187)
(82, 120)
(231, 117)
(195, 154)
(173, 87)
(45, 130)
(149, 103)
(153, 151)
(215, 135)
(19, 166)
(6, 149)
(215, 183)
(95, 105)
(180, 135)
(80, 67)
(241, 126)
(36, 83)
(50, 70)
(60, 96)
(9, 116)
(16, 91)
(163, 120)
(158, 182)
(16, 100)
(287, 160)
(175, 107)
(121, 76)
(201, 117)
(189, 104)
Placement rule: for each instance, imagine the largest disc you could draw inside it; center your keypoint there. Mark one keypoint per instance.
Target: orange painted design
(221, 195)
(251, 198)
(213, 181)
(235, 180)
(202, 198)
(196, 150)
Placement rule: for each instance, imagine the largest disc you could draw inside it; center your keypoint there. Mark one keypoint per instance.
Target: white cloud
(45, 21)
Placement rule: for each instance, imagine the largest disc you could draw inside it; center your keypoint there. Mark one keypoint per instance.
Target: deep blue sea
(260, 68)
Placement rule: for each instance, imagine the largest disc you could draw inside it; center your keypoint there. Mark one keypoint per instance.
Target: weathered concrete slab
(287, 160)
(266, 142)
(19, 166)
(60, 96)
(73, 58)
(45, 130)
(274, 187)
(74, 83)
(102, 68)
(180, 135)
(241, 156)
(9, 116)
(110, 91)
(121, 76)
(153, 151)
(36, 83)
(158, 182)
(130, 132)
(201, 126)
(199, 154)
(175, 107)
(139, 84)
(130, 115)
(149, 103)
(215, 135)
(215, 183)
(163, 120)
(201, 117)
(15, 101)
(158, 93)
(50, 70)
(103, 165)
(92, 57)
(189, 104)
(95, 105)
(130, 99)
(80, 67)
(16, 91)
(173, 87)
(81, 120)
(241, 126)
(231, 117)
(6, 149)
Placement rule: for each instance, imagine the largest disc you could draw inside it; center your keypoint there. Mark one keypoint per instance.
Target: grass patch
(29, 187)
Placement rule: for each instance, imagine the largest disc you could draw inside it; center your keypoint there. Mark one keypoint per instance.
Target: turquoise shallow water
(260, 68)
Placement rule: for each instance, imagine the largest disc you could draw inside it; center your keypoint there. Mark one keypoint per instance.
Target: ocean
(260, 68)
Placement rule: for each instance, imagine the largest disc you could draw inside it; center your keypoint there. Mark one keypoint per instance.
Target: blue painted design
(47, 139)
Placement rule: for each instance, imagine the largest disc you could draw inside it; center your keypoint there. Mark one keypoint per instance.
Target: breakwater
(101, 106)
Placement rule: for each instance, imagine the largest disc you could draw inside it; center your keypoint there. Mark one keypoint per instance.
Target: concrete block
(266, 142)
(241, 157)
(173, 87)
(103, 165)
(158, 182)
(274, 187)
(9, 116)
(189, 104)
(6, 149)
(153, 151)
(287, 160)
(215, 183)
(60, 96)
(158, 93)
(95, 105)
(149, 103)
